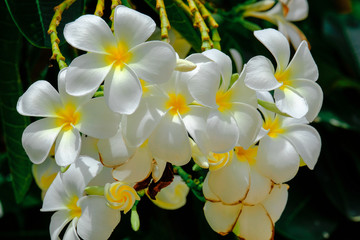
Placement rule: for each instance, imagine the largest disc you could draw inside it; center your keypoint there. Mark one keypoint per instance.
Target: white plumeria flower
(173, 196)
(288, 142)
(228, 114)
(158, 120)
(248, 221)
(120, 195)
(283, 14)
(90, 216)
(120, 58)
(296, 92)
(65, 117)
(232, 178)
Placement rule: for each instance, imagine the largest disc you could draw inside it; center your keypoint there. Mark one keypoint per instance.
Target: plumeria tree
(149, 117)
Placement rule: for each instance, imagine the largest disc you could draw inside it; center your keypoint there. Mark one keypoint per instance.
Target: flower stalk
(194, 184)
(99, 10)
(164, 21)
(55, 21)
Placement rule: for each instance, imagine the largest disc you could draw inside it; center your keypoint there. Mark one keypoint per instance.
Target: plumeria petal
(67, 147)
(222, 131)
(237, 59)
(86, 73)
(40, 100)
(260, 187)
(205, 83)
(122, 90)
(136, 168)
(39, 137)
(158, 169)
(289, 101)
(298, 10)
(260, 74)
(277, 159)
(58, 221)
(313, 95)
(153, 61)
(291, 31)
(275, 203)
(56, 197)
(236, 177)
(208, 194)
(97, 220)
(302, 65)
(221, 217)
(138, 126)
(97, 120)
(114, 151)
(89, 33)
(306, 141)
(70, 233)
(170, 141)
(132, 27)
(277, 44)
(224, 64)
(254, 223)
(249, 122)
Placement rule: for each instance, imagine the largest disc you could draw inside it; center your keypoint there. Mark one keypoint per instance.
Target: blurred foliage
(323, 204)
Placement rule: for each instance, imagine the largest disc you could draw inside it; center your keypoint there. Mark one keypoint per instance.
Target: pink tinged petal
(40, 100)
(298, 10)
(39, 137)
(138, 126)
(58, 221)
(208, 194)
(204, 84)
(122, 90)
(132, 27)
(114, 151)
(260, 188)
(224, 64)
(222, 130)
(89, 33)
(221, 217)
(254, 223)
(249, 123)
(56, 197)
(239, 92)
(170, 141)
(302, 65)
(231, 183)
(277, 44)
(277, 159)
(275, 203)
(86, 73)
(153, 61)
(135, 169)
(97, 120)
(67, 147)
(260, 74)
(289, 101)
(307, 142)
(195, 123)
(97, 220)
(313, 95)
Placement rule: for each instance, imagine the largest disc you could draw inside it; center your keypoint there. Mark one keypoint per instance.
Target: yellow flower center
(219, 160)
(75, 210)
(274, 127)
(118, 55)
(120, 196)
(246, 155)
(223, 100)
(283, 77)
(177, 104)
(67, 116)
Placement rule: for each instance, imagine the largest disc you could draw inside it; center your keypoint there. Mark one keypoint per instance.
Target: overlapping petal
(276, 201)
(67, 147)
(58, 221)
(223, 62)
(289, 101)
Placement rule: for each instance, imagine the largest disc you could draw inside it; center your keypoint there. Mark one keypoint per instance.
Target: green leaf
(10, 90)
(180, 21)
(33, 17)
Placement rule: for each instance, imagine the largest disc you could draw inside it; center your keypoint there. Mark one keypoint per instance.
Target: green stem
(164, 21)
(194, 184)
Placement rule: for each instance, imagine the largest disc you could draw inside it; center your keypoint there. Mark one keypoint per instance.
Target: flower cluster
(128, 110)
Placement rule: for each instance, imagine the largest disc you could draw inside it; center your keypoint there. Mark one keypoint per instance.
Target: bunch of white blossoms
(129, 110)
